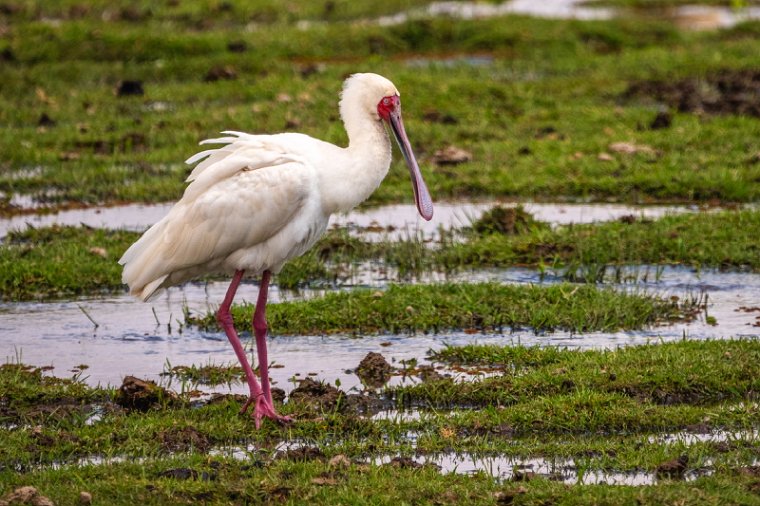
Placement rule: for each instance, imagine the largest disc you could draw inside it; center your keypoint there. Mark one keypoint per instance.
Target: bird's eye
(387, 101)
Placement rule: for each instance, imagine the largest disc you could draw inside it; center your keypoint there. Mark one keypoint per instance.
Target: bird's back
(252, 204)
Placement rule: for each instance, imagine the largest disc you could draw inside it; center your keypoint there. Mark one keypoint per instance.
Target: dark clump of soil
(183, 439)
(7, 55)
(221, 73)
(217, 398)
(316, 395)
(673, 469)
(25, 495)
(184, 473)
(427, 373)
(409, 463)
(237, 46)
(663, 120)
(724, 92)
(142, 395)
(367, 404)
(130, 87)
(435, 116)
(374, 371)
(524, 476)
(278, 395)
(507, 221)
(303, 454)
(45, 120)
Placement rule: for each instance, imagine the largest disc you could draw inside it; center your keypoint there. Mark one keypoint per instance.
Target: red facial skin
(388, 105)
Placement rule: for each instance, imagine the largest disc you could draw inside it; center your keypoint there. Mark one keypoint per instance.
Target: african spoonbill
(260, 200)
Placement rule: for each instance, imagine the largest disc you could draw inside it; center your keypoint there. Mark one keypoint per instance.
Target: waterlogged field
(519, 352)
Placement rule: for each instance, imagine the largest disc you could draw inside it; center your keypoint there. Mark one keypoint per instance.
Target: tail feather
(144, 271)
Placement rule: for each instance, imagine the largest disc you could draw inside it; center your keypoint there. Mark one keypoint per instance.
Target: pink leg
(260, 330)
(223, 316)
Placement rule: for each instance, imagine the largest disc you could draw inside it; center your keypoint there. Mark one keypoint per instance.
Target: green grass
(473, 307)
(690, 372)
(599, 427)
(535, 118)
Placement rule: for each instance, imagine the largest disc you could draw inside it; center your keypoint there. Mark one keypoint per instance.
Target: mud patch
(184, 473)
(724, 92)
(25, 495)
(507, 221)
(673, 469)
(141, 395)
(183, 439)
(374, 371)
(302, 454)
(316, 395)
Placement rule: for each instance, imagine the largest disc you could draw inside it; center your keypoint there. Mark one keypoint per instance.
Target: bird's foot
(263, 408)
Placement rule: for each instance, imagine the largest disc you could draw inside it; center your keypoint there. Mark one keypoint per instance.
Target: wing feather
(245, 193)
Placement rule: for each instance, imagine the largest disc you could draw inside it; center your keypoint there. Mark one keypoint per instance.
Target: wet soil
(141, 395)
(507, 221)
(673, 469)
(725, 92)
(25, 495)
(374, 371)
(183, 439)
(316, 395)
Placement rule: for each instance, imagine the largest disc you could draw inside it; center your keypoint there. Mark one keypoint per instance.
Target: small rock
(130, 87)
(284, 97)
(630, 148)
(85, 498)
(605, 157)
(101, 252)
(451, 155)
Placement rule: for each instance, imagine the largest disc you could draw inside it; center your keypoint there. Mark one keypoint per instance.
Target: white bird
(260, 200)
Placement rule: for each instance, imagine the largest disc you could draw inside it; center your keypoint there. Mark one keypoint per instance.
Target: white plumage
(259, 200)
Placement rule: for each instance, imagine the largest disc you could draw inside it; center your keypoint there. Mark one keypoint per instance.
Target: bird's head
(382, 101)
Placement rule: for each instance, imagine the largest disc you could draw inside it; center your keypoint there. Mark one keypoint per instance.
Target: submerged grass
(168, 453)
(471, 307)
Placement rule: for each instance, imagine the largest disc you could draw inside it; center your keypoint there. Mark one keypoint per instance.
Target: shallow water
(391, 221)
(690, 17)
(131, 339)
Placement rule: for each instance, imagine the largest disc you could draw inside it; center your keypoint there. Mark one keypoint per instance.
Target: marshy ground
(521, 352)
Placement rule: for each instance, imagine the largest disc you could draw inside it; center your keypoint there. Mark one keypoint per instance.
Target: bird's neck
(363, 167)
